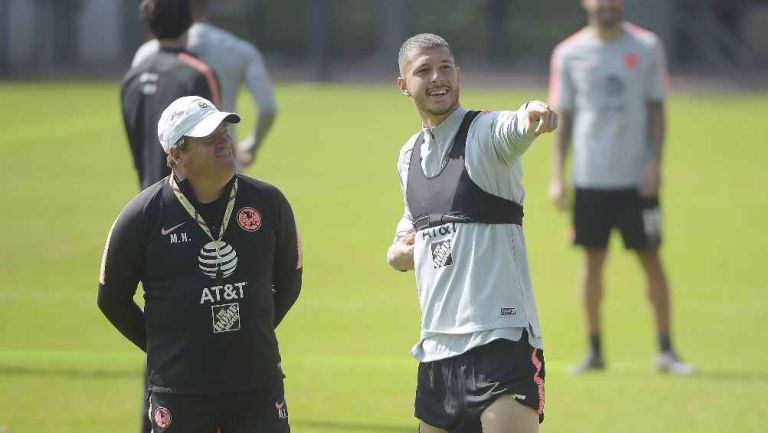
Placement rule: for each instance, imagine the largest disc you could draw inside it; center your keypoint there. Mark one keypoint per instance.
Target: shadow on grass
(736, 376)
(355, 426)
(68, 373)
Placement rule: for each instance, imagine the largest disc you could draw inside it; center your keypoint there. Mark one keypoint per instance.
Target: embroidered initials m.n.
(177, 238)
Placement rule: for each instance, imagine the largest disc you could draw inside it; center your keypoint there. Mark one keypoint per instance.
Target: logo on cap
(249, 219)
(202, 104)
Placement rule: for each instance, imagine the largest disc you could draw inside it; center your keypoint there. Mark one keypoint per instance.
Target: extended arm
(514, 131)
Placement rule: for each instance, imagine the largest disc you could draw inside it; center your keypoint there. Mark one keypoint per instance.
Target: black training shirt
(204, 331)
(147, 90)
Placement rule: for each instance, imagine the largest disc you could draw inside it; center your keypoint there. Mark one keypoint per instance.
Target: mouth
(224, 154)
(437, 92)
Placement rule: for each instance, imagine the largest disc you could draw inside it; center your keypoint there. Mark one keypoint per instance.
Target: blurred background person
(608, 82)
(164, 76)
(235, 61)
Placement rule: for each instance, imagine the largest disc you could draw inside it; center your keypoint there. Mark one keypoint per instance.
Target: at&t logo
(210, 264)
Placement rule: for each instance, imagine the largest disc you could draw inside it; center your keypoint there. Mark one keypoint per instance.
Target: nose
(435, 75)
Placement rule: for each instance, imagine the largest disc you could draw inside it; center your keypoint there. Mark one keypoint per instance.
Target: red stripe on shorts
(538, 379)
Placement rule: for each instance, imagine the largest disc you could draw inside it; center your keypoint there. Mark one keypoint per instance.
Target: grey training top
(234, 60)
(486, 293)
(607, 85)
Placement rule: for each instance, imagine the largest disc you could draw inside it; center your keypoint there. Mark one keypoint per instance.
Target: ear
(403, 86)
(175, 155)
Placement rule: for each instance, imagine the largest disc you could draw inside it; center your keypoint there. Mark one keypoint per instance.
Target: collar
(172, 49)
(186, 189)
(448, 126)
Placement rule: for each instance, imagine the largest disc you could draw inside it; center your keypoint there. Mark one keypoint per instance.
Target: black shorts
(597, 212)
(452, 393)
(235, 412)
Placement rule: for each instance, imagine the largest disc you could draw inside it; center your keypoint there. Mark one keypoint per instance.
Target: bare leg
(658, 290)
(658, 294)
(506, 415)
(426, 428)
(592, 287)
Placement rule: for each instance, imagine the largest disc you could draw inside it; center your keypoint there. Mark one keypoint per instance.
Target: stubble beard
(611, 22)
(442, 111)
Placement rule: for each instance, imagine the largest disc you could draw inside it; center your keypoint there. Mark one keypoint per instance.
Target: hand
(537, 111)
(245, 153)
(651, 182)
(557, 193)
(245, 157)
(400, 254)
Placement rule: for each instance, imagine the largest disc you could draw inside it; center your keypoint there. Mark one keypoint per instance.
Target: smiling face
(211, 155)
(430, 78)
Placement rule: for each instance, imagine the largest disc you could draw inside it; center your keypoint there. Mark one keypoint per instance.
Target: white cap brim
(209, 123)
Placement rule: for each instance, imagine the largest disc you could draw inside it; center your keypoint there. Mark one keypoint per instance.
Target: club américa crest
(249, 219)
(162, 417)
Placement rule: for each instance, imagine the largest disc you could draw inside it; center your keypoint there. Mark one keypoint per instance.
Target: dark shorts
(235, 412)
(597, 212)
(452, 393)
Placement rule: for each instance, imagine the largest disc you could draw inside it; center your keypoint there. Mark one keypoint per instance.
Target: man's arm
(514, 131)
(288, 263)
(562, 143)
(120, 274)
(656, 133)
(562, 94)
(260, 87)
(656, 91)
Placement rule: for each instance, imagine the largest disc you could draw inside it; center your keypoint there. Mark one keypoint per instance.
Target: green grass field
(65, 173)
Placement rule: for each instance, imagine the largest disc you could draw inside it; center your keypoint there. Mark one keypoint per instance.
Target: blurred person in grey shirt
(235, 61)
(608, 81)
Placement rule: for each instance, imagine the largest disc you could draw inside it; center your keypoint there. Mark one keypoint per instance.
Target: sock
(665, 343)
(594, 345)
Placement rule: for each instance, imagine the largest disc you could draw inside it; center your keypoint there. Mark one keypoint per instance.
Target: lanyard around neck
(196, 215)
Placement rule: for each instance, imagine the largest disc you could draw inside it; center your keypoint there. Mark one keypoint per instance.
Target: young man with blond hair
(481, 365)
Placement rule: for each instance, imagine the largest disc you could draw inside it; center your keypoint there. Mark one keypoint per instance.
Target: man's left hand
(537, 111)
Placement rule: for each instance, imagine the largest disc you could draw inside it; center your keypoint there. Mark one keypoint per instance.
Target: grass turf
(65, 173)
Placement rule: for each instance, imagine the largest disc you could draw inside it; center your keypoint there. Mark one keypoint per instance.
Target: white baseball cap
(190, 116)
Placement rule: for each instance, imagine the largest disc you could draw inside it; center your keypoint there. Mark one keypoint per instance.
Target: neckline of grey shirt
(437, 142)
